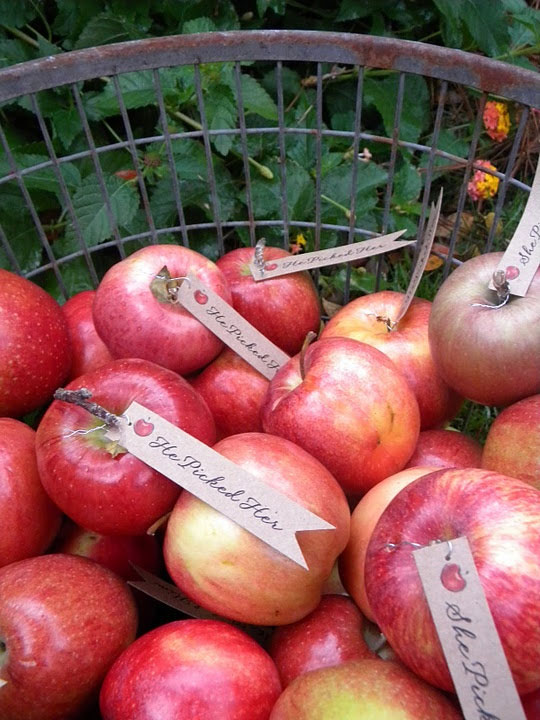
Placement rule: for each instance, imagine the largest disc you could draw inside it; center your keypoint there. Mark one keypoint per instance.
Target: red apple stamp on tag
(452, 579)
(270, 266)
(511, 272)
(200, 297)
(143, 428)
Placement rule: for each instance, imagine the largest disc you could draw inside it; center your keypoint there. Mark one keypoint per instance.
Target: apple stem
(307, 342)
(82, 399)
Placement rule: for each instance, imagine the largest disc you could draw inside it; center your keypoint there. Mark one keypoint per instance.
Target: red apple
(284, 309)
(353, 410)
(63, 622)
(30, 520)
(234, 391)
(446, 448)
(512, 444)
(88, 349)
(117, 552)
(362, 690)
(191, 669)
(330, 635)
(97, 483)
(368, 319)
(487, 354)
(35, 351)
(531, 705)
(363, 520)
(500, 516)
(229, 571)
(137, 315)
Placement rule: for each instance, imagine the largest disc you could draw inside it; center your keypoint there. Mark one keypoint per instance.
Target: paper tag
(521, 258)
(263, 511)
(469, 638)
(230, 327)
(170, 595)
(424, 251)
(331, 256)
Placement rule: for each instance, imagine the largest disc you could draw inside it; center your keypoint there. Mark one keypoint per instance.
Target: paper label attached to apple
(170, 595)
(331, 256)
(229, 326)
(521, 258)
(464, 624)
(424, 251)
(263, 511)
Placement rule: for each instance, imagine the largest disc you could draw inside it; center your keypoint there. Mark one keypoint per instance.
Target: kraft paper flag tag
(469, 638)
(521, 258)
(271, 516)
(424, 251)
(170, 595)
(229, 326)
(331, 256)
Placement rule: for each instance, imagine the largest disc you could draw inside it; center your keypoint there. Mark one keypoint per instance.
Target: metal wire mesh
(170, 216)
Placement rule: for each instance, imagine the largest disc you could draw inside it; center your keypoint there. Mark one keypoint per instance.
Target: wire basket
(92, 202)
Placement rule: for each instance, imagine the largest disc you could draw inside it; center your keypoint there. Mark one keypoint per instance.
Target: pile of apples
(352, 427)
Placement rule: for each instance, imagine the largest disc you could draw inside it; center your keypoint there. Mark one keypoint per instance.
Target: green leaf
(47, 48)
(337, 185)
(451, 14)
(221, 113)
(353, 10)
(44, 178)
(13, 51)
(278, 6)
(290, 81)
(486, 22)
(407, 184)
(266, 194)
(257, 100)
(415, 113)
(192, 173)
(137, 90)
(91, 211)
(66, 125)
(20, 232)
(105, 28)
(448, 142)
(198, 25)
(17, 13)
(72, 18)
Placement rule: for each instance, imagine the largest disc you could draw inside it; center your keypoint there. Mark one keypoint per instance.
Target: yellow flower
(482, 185)
(298, 244)
(496, 120)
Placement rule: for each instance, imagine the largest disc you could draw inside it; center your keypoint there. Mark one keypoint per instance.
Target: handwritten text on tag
(521, 258)
(257, 507)
(468, 636)
(332, 256)
(230, 327)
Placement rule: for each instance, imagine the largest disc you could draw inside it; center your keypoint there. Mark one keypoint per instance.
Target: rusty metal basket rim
(458, 66)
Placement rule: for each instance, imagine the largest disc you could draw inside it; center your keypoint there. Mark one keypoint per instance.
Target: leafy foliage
(151, 184)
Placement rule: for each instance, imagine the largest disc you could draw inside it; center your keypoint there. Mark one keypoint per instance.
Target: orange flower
(483, 185)
(496, 120)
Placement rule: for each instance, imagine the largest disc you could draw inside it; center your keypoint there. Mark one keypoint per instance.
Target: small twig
(81, 398)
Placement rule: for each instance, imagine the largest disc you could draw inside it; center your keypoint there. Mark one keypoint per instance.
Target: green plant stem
(112, 131)
(520, 52)
(43, 19)
(22, 36)
(345, 210)
(261, 169)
